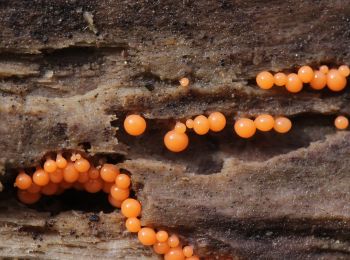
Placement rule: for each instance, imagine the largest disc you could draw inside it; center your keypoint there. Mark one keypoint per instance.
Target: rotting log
(71, 70)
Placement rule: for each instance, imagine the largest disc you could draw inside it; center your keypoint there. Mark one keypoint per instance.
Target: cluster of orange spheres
(334, 79)
(77, 172)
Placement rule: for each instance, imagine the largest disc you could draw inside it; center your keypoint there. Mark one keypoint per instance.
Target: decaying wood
(71, 70)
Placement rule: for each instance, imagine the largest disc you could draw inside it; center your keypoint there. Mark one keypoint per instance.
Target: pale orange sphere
(114, 202)
(162, 236)
(118, 193)
(161, 248)
(70, 174)
(341, 122)
(265, 80)
(189, 123)
(305, 74)
(93, 173)
(109, 172)
(173, 241)
(93, 185)
(335, 80)
(49, 189)
(23, 181)
(40, 177)
(175, 253)
(319, 81)
(82, 165)
(245, 127)
(131, 208)
(324, 69)
(184, 82)
(282, 125)
(180, 127)
(135, 125)
(175, 141)
(264, 122)
(133, 225)
(56, 176)
(50, 166)
(201, 125)
(27, 197)
(344, 70)
(280, 79)
(147, 236)
(217, 121)
(294, 83)
(122, 181)
(61, 162)
(188, 251)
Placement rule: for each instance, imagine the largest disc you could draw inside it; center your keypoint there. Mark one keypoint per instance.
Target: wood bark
(71, 70)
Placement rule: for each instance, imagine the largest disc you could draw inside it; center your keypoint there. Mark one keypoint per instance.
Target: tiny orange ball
(56, 176)
(324, 69)
(189, 123)
(180, 127)
(82, 165)
(280, 79)
(282, 125)
(50, 166)
(109, 172)
(188, 251)
(93, 185)
(119, 194)
(27, 197)
(133, 225)
(341, 122)
(245, 127)
(135, 125)
(147, 236)
(294, 83)
(114, 202)
(335, 80)
(40, 177)
(305, 74)
(175, 253)
(93, 173)
(49, 189)
(122, 181)
(265, 80)
(161, 248)
(344, 70)
(217, 121)
(61, 162)
(70, 174)
(264, 122)
(319, 81)
(175, 141)
(23, 181)
(201, 125)
(131, 208)
(173, 241)
(162, 236)
(184, 82)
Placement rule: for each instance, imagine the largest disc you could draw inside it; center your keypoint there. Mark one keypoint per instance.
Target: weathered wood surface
(71, 70)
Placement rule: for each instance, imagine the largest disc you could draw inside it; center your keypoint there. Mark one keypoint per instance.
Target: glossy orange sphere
(70, 174)
(161, 248)
(245, 127)
(27, 197)
(147, 236)
(264, 122)
(324, 69)
(173, 241)
(40, 177)
(109, 172)
(188, 251)
(162, 236)
(217, 121)
(335, 80)
(61, 162)
(319, 81)
(175, 141)
(282, 125)
(82, 165)
(344, 70)
(131, 208)
(294, 83)
(180, 127)
(135, 125)
(265, 80)
(175, 253)
(201, 125)
(133, 225)
(123, 181)
(189, 123)
(23, 181)
(341, 122)
(305, 74)
(280, 79)
(50, 166)
(118, 193)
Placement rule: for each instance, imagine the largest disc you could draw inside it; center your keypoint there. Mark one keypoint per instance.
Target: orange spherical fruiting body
(40, 177)
(56, 176)
(109, 172)
(131, 208)
(180, 127)
(265, 80)
(341, 122)
(201, 125)
(93, 173)
(305, 74)
(82, 165)
(173, 241)
(133, 225)
(27, 197)
(175, 253)
(280, 79)
(188, 251)
(83, 177)
(245, 127)
(335, 80)
(147, 236)
(34, 188)
(282, 125)
(107, 186)
(135, 125)
(23, 181)
(189, 123)
(319, 80)
(114, 202)
(93, 185)
(264, 122)
(324, 69)
(184, 82)
(162, 236)
(217, 121)
(294, 83)
(49, 189)
(70, 174)
(344, 70)
(175, 141)
(161, 248)
(50, 166)
(122, 181)
(61, 162)
(118, 193)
